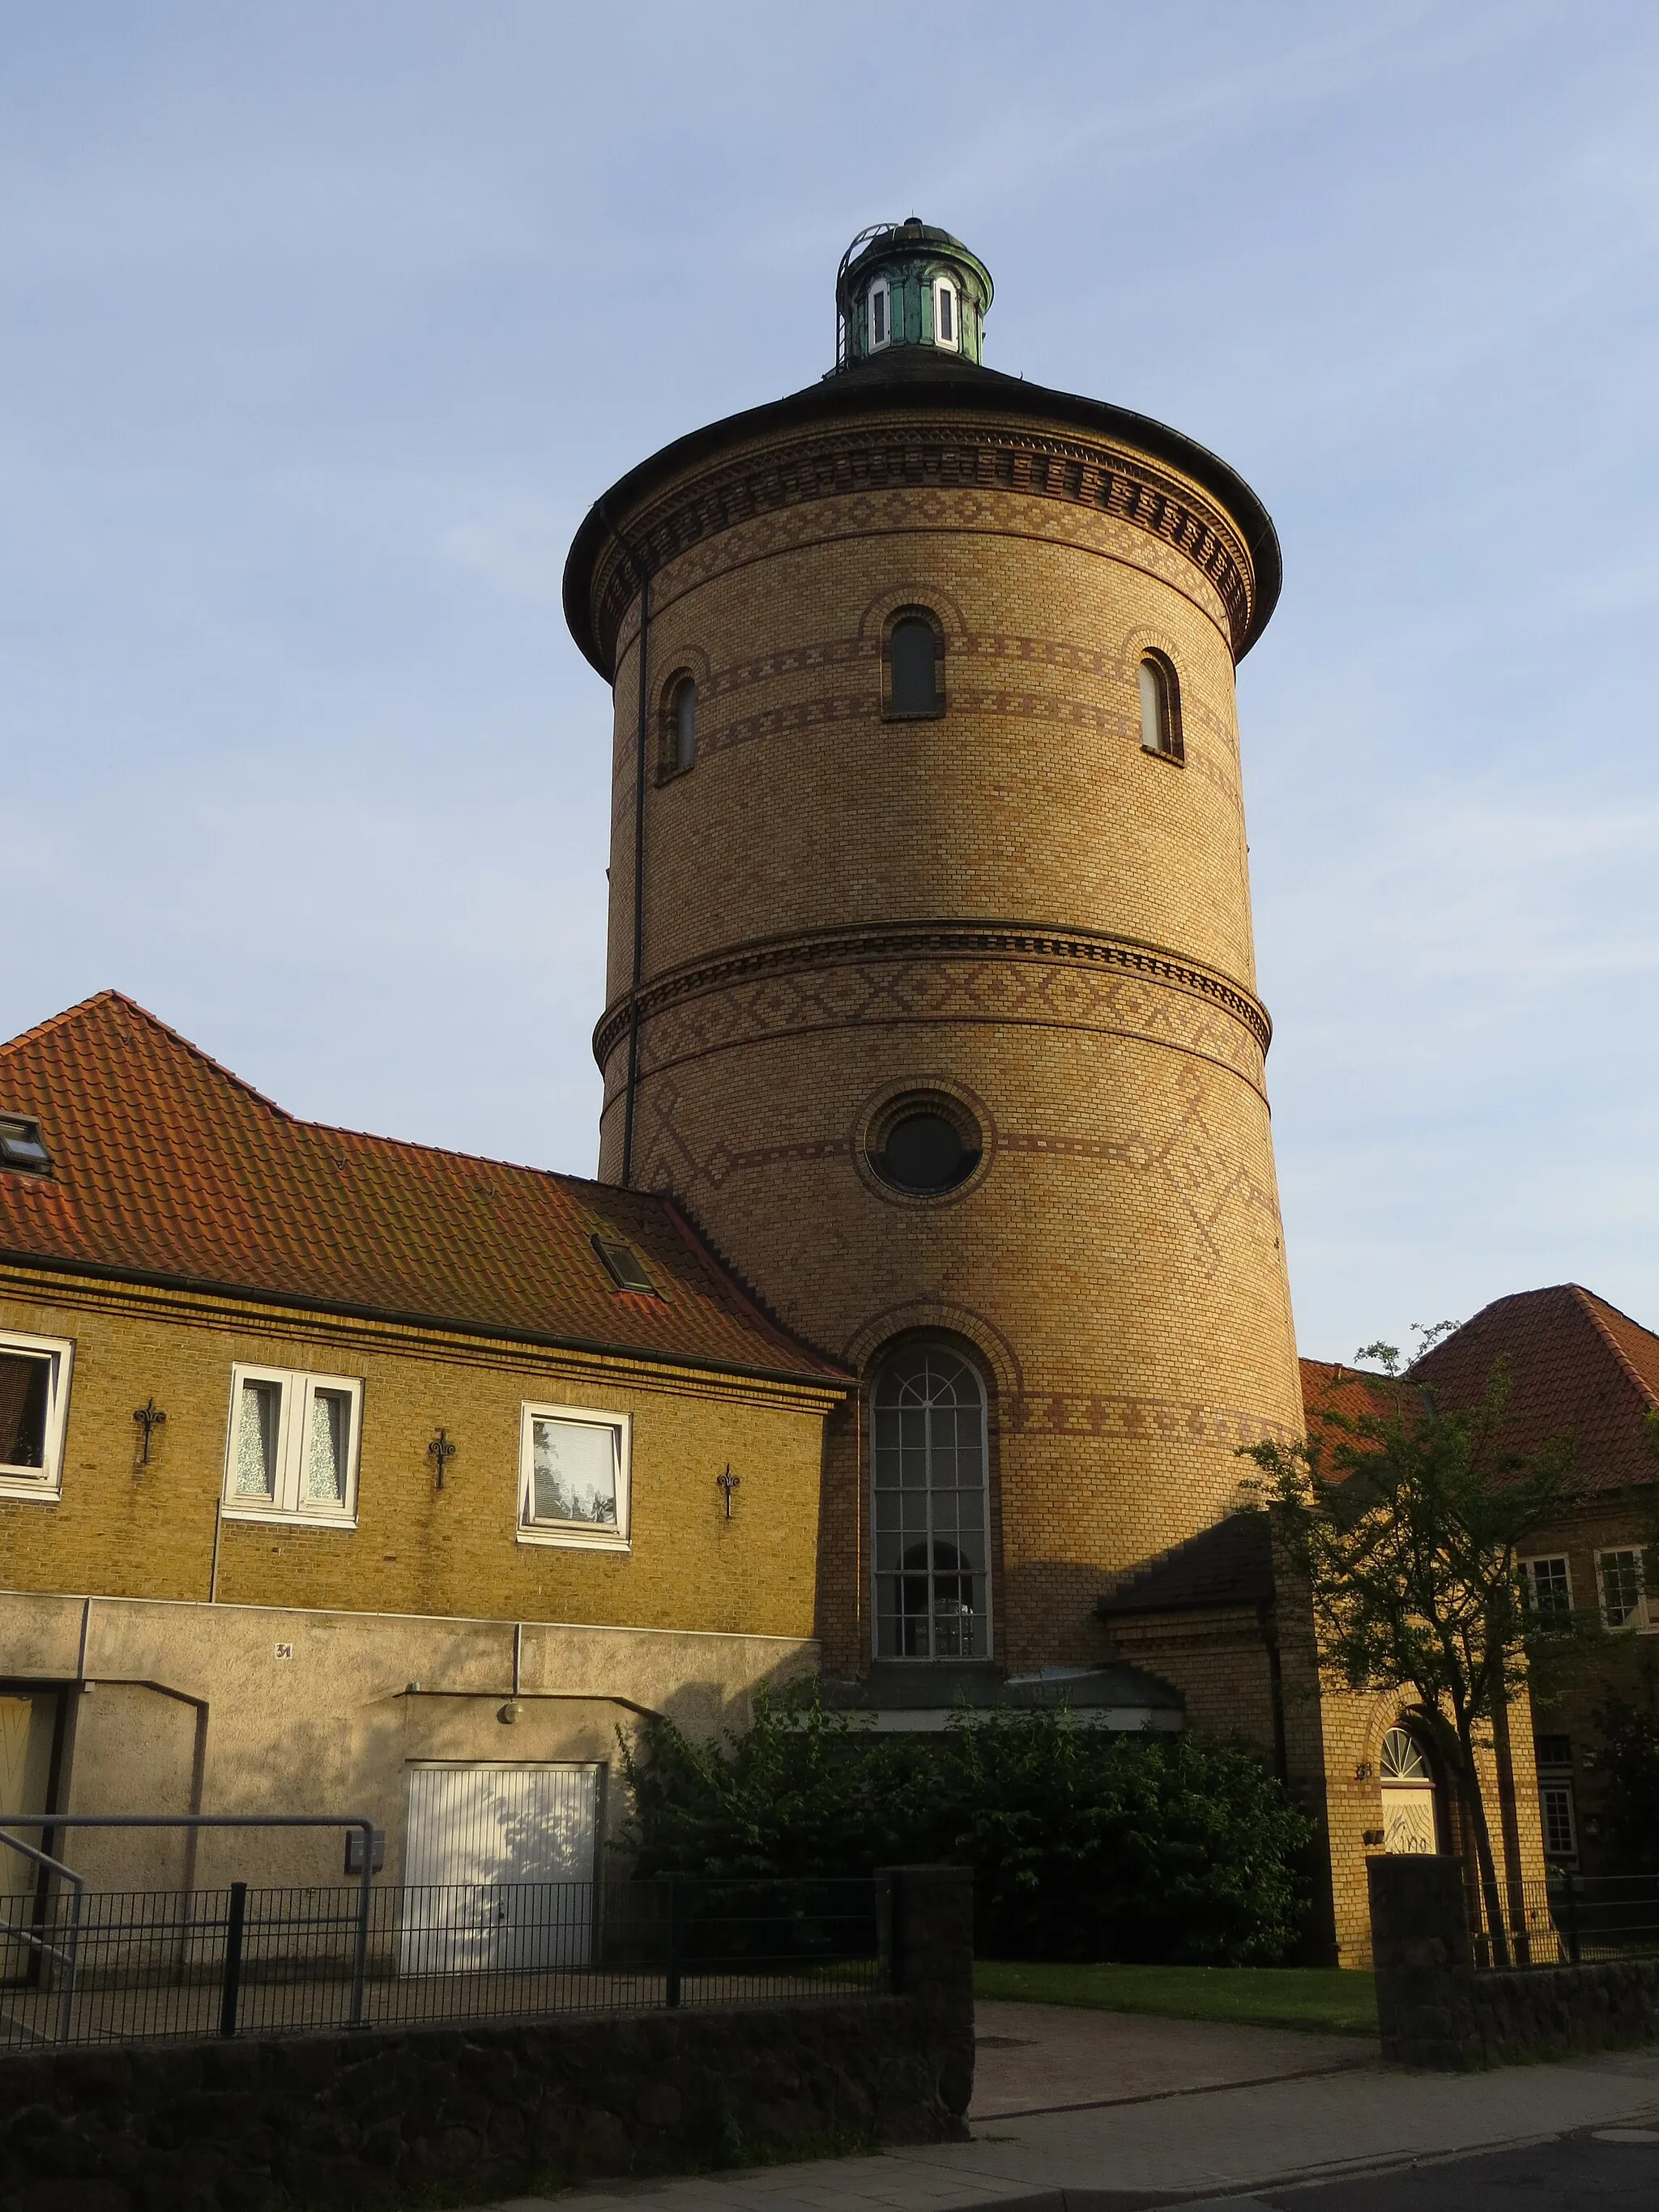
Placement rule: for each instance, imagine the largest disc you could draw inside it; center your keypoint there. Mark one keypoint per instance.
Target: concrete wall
(246, 1709)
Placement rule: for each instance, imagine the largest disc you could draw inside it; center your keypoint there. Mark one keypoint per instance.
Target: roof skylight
(20, 1146)
(628, 1270)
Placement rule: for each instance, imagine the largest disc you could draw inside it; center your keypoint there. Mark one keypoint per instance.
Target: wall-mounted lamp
(149, 1417)
(440, 1451)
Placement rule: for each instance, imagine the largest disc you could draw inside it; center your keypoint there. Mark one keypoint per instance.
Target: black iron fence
(133, 1967)
(1571, 1919)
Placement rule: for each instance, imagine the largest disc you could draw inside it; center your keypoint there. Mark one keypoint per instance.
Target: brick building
(338, 1475)
(1579, 1368)
(938, 1206)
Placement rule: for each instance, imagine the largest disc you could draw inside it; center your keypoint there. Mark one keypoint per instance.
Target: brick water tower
(931, 992)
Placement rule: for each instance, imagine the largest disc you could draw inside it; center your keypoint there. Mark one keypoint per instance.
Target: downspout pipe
(642, 578)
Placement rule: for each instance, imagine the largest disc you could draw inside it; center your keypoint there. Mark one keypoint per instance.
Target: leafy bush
(1630, 1762)
(1084, 1844)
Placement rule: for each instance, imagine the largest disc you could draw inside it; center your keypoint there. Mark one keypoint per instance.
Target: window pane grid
(1621, 1587)
(1551, 1592)
(929, 1510)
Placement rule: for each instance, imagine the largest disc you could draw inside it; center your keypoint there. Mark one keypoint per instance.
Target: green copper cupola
(908, 284)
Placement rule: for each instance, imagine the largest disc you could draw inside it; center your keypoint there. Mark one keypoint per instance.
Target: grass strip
(1329, 2000)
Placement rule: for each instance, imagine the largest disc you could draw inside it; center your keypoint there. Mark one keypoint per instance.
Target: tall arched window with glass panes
(929, 1508)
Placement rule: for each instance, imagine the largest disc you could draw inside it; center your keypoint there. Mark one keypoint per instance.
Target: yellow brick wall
(123, 1529)
(1117, 1268)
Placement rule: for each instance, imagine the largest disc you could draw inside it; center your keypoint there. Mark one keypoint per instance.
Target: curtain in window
(256, 1421)
(25, 1385)
(327, 1444)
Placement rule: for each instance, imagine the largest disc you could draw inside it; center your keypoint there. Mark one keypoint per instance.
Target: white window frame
(942, 286)
(290, 1507)
(45, 1483)
(1640, 1622)
(1561, 1786)
(881, 290)
(1545, 1559)
(576, 1536)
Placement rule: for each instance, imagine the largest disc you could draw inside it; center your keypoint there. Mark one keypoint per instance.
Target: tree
(1630, 1762)
(1408, 1521)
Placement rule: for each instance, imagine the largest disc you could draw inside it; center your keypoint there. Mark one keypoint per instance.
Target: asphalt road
(1613, 2169)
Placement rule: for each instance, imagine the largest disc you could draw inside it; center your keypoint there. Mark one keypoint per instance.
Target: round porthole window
(925, 1146)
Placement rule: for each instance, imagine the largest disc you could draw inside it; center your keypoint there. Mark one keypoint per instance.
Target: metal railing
(147, 1965)
(1572, 1919)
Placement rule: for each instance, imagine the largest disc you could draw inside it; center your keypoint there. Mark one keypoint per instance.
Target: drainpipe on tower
(642, 577)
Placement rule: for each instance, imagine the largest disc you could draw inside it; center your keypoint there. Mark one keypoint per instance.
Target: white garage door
(499, 1868)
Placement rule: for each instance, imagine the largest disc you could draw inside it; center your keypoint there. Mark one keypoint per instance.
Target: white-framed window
(947, 314)
(881, 314)
(575, 1478)
(1548, 1587)
(1621, 1583)
(34, 1381)
(292, 1451)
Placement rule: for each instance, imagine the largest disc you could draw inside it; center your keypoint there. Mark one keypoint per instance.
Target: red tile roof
(1576, 1364)
(167, 1168)
(1327, 1385)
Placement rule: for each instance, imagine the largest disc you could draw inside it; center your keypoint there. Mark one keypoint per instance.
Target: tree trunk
(1474, 1812)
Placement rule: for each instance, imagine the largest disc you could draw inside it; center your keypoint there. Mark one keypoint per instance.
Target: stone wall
(452, 2115)
(1437, 2010)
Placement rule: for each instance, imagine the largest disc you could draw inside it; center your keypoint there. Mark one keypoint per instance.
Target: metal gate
(500, 1864)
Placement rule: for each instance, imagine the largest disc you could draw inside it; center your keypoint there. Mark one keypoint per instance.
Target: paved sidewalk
(1049, 2058)
(1173, 2142)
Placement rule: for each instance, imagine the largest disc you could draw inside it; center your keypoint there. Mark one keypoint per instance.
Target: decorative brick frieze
(947, 972)
(1010, 462)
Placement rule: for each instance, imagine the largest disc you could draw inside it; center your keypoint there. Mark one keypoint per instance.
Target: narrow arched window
(881, 315)
(679, 744)
(914, 646)
(1160, 708)
(945, 315)
(929, 1518)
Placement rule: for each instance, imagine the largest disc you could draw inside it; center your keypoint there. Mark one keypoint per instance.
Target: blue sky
(325, 323)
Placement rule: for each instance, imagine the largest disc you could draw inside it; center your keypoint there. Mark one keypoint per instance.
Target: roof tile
(166, 1166)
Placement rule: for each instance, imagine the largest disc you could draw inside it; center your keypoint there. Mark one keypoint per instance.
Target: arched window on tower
(929, 1522)
(677, 743)
(1160, 706)
(915, 650)
(946, 314)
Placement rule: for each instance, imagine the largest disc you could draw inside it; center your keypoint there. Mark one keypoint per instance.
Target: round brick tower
(932, 988)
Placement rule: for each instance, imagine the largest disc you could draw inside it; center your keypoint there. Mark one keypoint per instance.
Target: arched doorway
(928, 1517)
(1408, 1814)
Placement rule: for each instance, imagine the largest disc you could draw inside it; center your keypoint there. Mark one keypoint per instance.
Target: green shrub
(1084, 1844)
(1629, 1760)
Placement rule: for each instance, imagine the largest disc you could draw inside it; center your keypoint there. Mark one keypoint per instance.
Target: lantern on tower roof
(908, 284)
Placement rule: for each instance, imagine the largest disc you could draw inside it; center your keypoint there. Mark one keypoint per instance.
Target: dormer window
(946, 316)
(20, 1146)
(881, 314)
